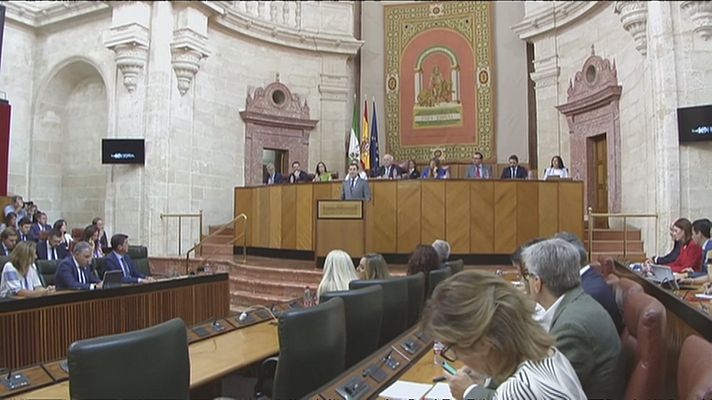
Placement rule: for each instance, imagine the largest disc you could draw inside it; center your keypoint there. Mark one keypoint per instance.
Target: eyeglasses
(448, 353)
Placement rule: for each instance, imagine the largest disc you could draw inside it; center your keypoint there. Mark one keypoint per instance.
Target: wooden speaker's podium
(340, 224)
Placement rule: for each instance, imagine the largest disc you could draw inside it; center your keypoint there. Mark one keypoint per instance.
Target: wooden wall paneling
(289, 217)
(275, 216)
(305, 217)
(527, 217)
(548, 208)
(258, 222)
(383, 217)
(335, 190)
(571, 208)
(321, 192)
(505, 217)
(243, 204)
(457, 216)
(432, 211)
(482, 217)
(409, 215)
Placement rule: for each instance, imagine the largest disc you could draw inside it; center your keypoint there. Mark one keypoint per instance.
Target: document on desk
(440, 390)
(404, 390)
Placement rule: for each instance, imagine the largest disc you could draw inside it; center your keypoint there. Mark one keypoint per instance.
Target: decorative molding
(558, 15)
(634, 17)
(700, 12)
(546, 72)
(130, 45)
(187, 49)
(334, 87)
(30, 14)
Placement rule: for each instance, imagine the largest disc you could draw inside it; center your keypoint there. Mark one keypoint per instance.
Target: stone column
(334, 118)
(546, 83)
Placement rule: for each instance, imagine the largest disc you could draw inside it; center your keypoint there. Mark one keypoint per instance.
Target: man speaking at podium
(354, 187)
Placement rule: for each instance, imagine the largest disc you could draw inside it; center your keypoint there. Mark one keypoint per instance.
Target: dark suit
(104, 241)
(35, 230)
(519, 173)
(111, 263)
(358, 190)
(671, 256)
(303, 177)
(3, 250)
(276, 178)
(390, 173)
(21, 237)
(60, 251)
(67, 276)
(587, 337)
(595, 286)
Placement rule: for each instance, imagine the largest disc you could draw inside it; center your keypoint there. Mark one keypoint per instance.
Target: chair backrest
(363, 310)
(395, 305)
(143, 364)
(137, 252)
(694, 370)
(312, 349)
(644, 346)
(416, 297)
(99, 265)
(607, 266)
(46, 270)
(437, 276)
(455, 265)
(622, 288)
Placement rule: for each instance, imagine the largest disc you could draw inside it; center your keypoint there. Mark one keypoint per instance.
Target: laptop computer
(112, 279)
(662, 274)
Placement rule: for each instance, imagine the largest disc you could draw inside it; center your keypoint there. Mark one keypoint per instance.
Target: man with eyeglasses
(478, 170)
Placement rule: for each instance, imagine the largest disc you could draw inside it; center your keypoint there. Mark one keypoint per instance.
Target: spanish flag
(365, 140)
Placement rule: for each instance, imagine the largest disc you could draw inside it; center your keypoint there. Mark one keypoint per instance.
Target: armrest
(265, 377)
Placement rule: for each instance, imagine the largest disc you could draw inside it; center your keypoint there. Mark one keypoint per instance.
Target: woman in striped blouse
(487, 324)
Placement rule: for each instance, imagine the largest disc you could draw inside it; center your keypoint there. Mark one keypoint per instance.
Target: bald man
(388, 170)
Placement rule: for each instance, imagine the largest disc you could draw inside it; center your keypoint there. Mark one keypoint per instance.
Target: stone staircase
(220, 244)
(609, 242)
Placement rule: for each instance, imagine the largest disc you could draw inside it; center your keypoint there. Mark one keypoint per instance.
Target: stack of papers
(403, 390)
(704, 296)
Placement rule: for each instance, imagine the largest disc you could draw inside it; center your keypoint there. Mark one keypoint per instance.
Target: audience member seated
(23, 231)
(478, 170)
(321, 173)
(516, 258)
(19, 275)
(593, 283)
(514, 171)
(434, 171)
(388, 170)
(338, 272)
(61, 226)
(412, 172)
(10, 222)
(8, 239)
(690, 256)
(669, 257)
(31, 210)
(52, 248)
(39, 226)
(372, 266)
(556, 169)
(583, 330)
(424, 259)
(17, 206)
(487, 324)
(297, 174)
(74, 272)
(701, 235)
(120, 261)
(103, 236)
(272, 177)
(443, 249)
(91, 236)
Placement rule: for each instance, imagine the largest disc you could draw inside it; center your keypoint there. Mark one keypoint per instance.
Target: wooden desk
(39, 330)
(210, 359)
(487, 217)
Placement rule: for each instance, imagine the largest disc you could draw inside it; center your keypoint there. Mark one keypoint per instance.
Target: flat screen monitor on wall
(694, 123)
(122, 151)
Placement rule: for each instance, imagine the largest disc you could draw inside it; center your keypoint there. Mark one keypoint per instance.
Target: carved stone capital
(130, 46)
(187, 49)
(634, 17)
(700, 13)
(546, 72)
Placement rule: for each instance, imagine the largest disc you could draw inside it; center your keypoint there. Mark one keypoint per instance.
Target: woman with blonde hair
(373, 266)
(19, 275)
(487, 324)
(338, 272)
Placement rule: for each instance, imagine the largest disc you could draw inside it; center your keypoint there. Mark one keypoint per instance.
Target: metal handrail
(180, 217)
(242, 216)
(625, 216)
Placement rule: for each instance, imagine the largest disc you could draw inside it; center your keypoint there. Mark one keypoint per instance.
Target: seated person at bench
(19, 275)
(52, 248)
(118, 260)
(75, 272)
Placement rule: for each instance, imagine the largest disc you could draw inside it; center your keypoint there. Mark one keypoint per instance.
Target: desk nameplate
(339, 209)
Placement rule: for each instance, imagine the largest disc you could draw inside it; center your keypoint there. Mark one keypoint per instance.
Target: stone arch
(70, 117)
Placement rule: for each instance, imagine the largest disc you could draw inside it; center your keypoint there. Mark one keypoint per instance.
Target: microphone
(243, 316)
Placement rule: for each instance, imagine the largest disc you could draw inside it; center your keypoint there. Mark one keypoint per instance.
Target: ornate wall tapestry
(439, 89)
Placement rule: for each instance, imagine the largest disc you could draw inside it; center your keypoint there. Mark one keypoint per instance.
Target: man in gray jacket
(354, 187)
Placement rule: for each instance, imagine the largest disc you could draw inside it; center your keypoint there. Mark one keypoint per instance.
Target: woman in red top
(690, 253)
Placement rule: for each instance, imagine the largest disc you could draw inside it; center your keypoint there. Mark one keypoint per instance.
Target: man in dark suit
(478, 170)
(39, 226)
(74, 272)
(23, 231)
(273, 177)
(52, 248)
(297, 174)
(8, 239)
(514, 171)
(582, 330)
(354, 187)
(388, 170)
(118, 260)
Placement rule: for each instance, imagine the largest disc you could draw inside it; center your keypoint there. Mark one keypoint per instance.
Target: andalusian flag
(365, 140)
(354, 152)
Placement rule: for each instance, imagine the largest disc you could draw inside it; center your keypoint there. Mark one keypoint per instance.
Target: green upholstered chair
(416, 297)
(395, 305)
(139, 254)
(46, 270)
(455, 265)
(437, 276)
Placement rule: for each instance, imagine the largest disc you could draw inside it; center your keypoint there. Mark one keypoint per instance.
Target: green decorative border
(471, 19)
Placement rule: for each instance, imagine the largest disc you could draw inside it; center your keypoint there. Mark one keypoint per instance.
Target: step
(227, 231)
(223, 238)
(239, 298)
(615, 245)
(613, 234)
(270, 288)
(215, 249)
(250, 272)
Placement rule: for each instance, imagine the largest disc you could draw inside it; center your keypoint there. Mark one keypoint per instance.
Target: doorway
(599, 182)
